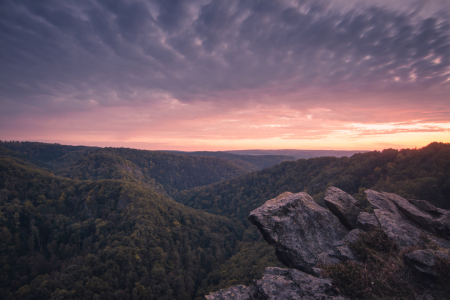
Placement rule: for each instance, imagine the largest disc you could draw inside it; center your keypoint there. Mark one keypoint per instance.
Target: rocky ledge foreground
(307, 236)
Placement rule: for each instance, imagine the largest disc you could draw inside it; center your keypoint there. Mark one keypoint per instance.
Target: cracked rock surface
(343, 206)
(299, 229)
(305, 234)
(407, 223)
(280, 284)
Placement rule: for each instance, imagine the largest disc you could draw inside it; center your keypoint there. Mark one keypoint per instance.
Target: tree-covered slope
(43, 154)
(163, 171)
(249, 162)
(179, 172)
(413, 173)
(96, 224)
(420, 174)
(103, 239)
(298, 154)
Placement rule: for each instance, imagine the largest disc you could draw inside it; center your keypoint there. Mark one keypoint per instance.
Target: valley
(115, 223)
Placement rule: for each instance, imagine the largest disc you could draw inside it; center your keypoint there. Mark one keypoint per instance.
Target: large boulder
(305, 234)
(299, 229)
(406, 222)
(280, 284)
(343, 206)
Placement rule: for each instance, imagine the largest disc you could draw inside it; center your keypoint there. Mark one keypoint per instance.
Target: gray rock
(394, 223)
(407, 221)
(424, 214)
(306, 234)
(298, 228)
(329, 257)
(402, 233)
(343, 206)
(342, 252)
(425, 260)
(238, 292)
(427, 206)
(383, 202)
(353, 236)
(280, 284)
(367, 222)
(425, 297)
(439, 219)
(317, 272)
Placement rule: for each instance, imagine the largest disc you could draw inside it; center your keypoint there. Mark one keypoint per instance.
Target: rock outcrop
(299, 229)
(367, 222)
(238, 292)
(280, 284)
(406, 223)
(344, 206)
(425, 260)
(305, 234)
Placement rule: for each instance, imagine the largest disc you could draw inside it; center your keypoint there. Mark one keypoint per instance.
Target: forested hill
(422, 174)
(249, 162)
(297, 154)
(104, 239)
(43, 154)
(172, 172)
(97, 223)
(163, 171)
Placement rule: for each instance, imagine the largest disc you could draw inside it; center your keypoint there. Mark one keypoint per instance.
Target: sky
(226, 75)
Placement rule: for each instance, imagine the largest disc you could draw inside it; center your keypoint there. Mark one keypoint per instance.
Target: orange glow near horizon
(227, 75)
(172, 125)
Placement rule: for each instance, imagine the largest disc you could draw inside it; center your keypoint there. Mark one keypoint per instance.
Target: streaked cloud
(223, 70)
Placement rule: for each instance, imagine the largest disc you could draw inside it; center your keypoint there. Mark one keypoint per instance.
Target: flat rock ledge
(305, 234)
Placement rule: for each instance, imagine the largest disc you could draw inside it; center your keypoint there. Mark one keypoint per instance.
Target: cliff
(396, 248)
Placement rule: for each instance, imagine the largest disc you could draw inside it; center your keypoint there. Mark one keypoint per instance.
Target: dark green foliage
(248, 162)
(104, 239)
(420, 174)
(165, 172)
(43, 152)
(104, 228)
(298, 154)
(179, 172)
(252, 256)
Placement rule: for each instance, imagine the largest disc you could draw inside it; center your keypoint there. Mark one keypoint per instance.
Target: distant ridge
(298, 153)
(246, 161)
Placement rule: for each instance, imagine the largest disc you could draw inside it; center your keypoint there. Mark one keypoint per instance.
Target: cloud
(121, 52)
(141, 71)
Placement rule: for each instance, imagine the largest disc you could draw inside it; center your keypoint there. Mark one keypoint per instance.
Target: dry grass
(382, 273)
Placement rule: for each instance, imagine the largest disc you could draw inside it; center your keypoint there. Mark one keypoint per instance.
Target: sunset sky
(223, 75)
